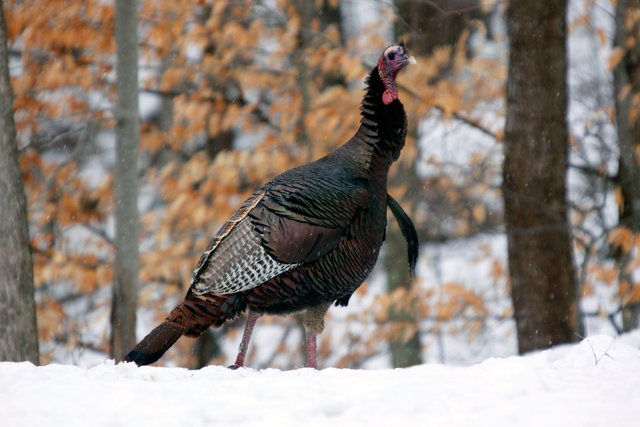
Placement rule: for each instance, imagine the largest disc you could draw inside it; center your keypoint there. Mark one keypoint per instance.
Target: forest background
(234, 92)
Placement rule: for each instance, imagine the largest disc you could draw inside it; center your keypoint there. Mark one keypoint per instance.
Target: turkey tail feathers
(191, 318)
(408, 231)
(154, 345)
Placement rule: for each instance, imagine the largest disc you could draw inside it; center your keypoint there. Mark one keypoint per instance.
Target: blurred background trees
(234, 92)
(626, 80)
(541, 269)
(125, 183)
(18, 330)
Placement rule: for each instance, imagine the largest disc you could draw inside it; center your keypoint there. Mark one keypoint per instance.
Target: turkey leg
(314, 325)
(246, 336)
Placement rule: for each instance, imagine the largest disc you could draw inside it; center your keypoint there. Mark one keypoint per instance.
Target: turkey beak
(406, 60)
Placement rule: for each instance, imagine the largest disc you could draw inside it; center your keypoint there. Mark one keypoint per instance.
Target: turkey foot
(246, 336)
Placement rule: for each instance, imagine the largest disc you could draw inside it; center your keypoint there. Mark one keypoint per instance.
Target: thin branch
(590, 171)
(466, 120)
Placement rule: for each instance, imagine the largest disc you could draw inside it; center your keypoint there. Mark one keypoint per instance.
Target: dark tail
(191, 318)
(153, 346)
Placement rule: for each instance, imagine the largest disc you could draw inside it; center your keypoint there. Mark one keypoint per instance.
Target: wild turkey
(305, 240)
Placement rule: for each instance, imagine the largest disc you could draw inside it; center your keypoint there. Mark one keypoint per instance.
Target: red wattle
(387, 97)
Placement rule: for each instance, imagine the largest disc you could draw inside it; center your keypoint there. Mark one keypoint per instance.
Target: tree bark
(304, 9)
(626, 79)
(205, 348)
(404, 339)
(544, 289)
(126, 265)
(18, 327)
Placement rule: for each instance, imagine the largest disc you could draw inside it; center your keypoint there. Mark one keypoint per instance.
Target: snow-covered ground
(593, 383)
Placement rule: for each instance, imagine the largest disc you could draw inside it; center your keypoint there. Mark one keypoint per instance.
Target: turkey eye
(392, 55)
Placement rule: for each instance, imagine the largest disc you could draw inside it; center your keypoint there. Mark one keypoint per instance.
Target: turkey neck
(382, 131)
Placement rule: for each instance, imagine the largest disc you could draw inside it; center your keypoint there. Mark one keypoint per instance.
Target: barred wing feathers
(235, 259)
(287, 222)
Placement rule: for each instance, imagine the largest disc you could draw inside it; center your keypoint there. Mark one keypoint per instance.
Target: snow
(594, 383)
(563, 384)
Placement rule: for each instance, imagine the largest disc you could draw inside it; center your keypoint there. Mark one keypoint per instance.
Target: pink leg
(311, 349)
(314, 325)
(246, 336)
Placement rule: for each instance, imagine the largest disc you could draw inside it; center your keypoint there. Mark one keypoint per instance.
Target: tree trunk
(125, 280)
(626, 78)
(543, 282)
(304, 9)
(18, 328)
(205, 348)
(404, 340)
